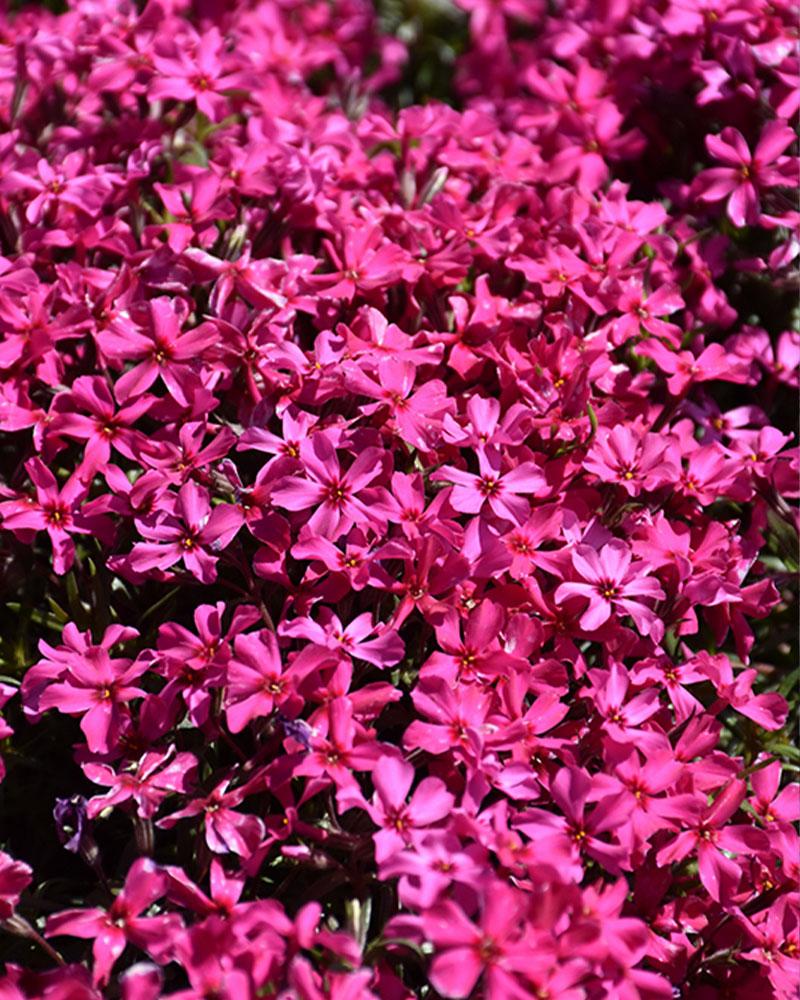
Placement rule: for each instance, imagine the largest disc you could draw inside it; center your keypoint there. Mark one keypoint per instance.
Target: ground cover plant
(398, 512)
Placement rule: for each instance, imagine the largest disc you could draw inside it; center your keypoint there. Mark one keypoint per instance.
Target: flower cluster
(402, 500)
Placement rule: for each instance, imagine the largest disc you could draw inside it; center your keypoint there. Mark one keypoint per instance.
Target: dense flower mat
(398, 506)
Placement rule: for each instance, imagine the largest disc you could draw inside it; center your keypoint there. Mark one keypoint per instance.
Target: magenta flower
(498, 386)
(15, 877)
(637, 461)
(745, 175)
(338, 748)
(478, 652)
(767, 710)
(398, 819)
(111, 930)
(406, 504)
(148, 783)
(641, 312)
(622, 716)
(65, 187)
(459, 718)
(256, 682)
(98, 688)
(709, 474)
(416, 414)
(253, 280)
(612, 583)
(103, 426)
(183, 459)
(196, 73)
(650, 788)
(160, 349)
(714, 840)
(325, 487)
(496, 948)
(579, 830)
(502, 492)
(226, 829)
(366, 261)
(196, 206)
(351, 640)
(59, 512)
(684, 369)
(770, 802)
(430, 865)
(775, 940)
(194, 535)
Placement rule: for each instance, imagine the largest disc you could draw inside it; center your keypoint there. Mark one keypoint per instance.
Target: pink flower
(430, 865)
(745, 175)
(161, 350)
(622, 716)
(459, 715)
(196, 206)
(366, 261)
(416, 414)
(479, 652)
(226, 829)
(64, 187)
(496, 948)
(256, 682)
(501, 492)
(613, 584)
(713, 840)
(636, 461)
(579, 830)
(197, 75)
(98, 688)
(111, 930)
(684, 369)
(154, 777)
(767, 710)
(775, 941)
(646, 312)
(59, 512)
(15, 877)
(397, 819)
(194, 535)
(338, 748)
(333, 493)
(105, 426)
(351, 640)
(772, 805)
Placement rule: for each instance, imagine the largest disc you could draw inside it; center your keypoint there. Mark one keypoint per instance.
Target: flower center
(488, 951)
(337, 494)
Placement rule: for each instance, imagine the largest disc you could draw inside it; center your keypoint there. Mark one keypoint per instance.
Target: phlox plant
(398, 500)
